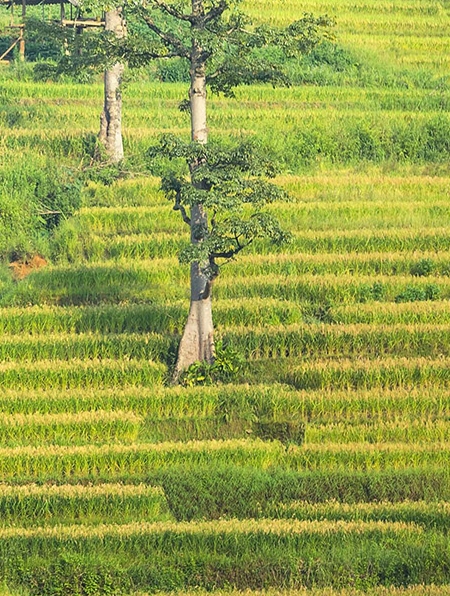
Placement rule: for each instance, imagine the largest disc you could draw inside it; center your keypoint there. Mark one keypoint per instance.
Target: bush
(34, 197)
(332, 55)
(286, 432)
(422, 268)
(416, 293)
(224, 369)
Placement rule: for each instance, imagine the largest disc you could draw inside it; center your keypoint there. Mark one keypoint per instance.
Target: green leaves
(233, 185)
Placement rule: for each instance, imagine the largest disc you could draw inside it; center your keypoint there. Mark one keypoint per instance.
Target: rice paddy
(323, 468)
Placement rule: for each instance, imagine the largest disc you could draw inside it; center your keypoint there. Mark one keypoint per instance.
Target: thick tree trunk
(110, 135)
(197, 343)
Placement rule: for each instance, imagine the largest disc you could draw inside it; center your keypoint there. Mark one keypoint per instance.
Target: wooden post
(22, 44)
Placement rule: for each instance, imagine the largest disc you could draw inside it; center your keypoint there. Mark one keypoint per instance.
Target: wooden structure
(72, 18)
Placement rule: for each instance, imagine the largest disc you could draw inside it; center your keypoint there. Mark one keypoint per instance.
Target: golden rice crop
(386, 372)
(262, 526)
(79, 373)
(79, 491)
(379, 430)
(392, 313)
(67, 418)
(417, 590)
(358, 509)
(210, 446)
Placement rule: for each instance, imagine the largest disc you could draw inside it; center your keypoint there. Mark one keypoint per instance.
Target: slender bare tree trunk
(197, 343)
(110, 135)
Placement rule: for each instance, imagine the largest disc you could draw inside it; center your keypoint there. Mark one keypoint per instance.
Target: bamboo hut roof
(8, 3)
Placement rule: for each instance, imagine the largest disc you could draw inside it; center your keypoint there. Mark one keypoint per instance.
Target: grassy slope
(352, 318)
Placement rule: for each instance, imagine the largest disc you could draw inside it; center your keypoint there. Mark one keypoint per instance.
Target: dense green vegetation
(323, 468)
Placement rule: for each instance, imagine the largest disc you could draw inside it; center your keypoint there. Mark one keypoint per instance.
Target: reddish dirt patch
(20, 269)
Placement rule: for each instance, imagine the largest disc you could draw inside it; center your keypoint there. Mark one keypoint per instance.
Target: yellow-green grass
(134, 282)
(117, 461)
(64, 504)
(428, 514)
(430, 590)
(146, 318)
(54, 374)
(291, 341)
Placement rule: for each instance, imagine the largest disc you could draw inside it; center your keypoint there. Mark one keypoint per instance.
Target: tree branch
(169, 40)
(233, 252)
(170, 10)
(216, 12)
(179, 207)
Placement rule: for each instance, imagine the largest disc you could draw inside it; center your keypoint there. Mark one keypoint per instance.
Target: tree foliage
(233, 185)
(234, 50)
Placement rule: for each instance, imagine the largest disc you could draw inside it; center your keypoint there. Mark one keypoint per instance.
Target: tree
(110, 135)
(84, 50)
(222, 51)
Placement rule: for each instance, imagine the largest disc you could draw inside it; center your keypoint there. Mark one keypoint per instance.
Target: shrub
(422, 268)
(224, 369)
(34, 197)
(285, 431)
(417, 293)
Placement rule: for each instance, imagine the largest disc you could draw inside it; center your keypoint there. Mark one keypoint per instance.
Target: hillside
(323, 468)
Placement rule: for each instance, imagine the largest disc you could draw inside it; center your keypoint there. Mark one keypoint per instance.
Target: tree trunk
(110, 135)
(197, 343)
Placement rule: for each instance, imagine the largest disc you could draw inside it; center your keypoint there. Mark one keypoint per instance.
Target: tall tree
(110, 135)
(222, 50)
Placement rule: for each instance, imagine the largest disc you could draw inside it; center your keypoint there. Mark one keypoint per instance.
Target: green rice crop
(70, 429)
(348, 215)
(66, 347)
(172, 406)
(360, 373)
(141, 318)
(162, 554)
(124, 283)
(242, 492)
(134, 460)
(378, 431)
(65, 375)
(117, 461)
(427, 514)
(163, 245)
(32, 504)
(316, 341)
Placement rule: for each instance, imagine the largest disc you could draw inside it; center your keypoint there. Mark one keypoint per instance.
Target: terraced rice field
(113, 482)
